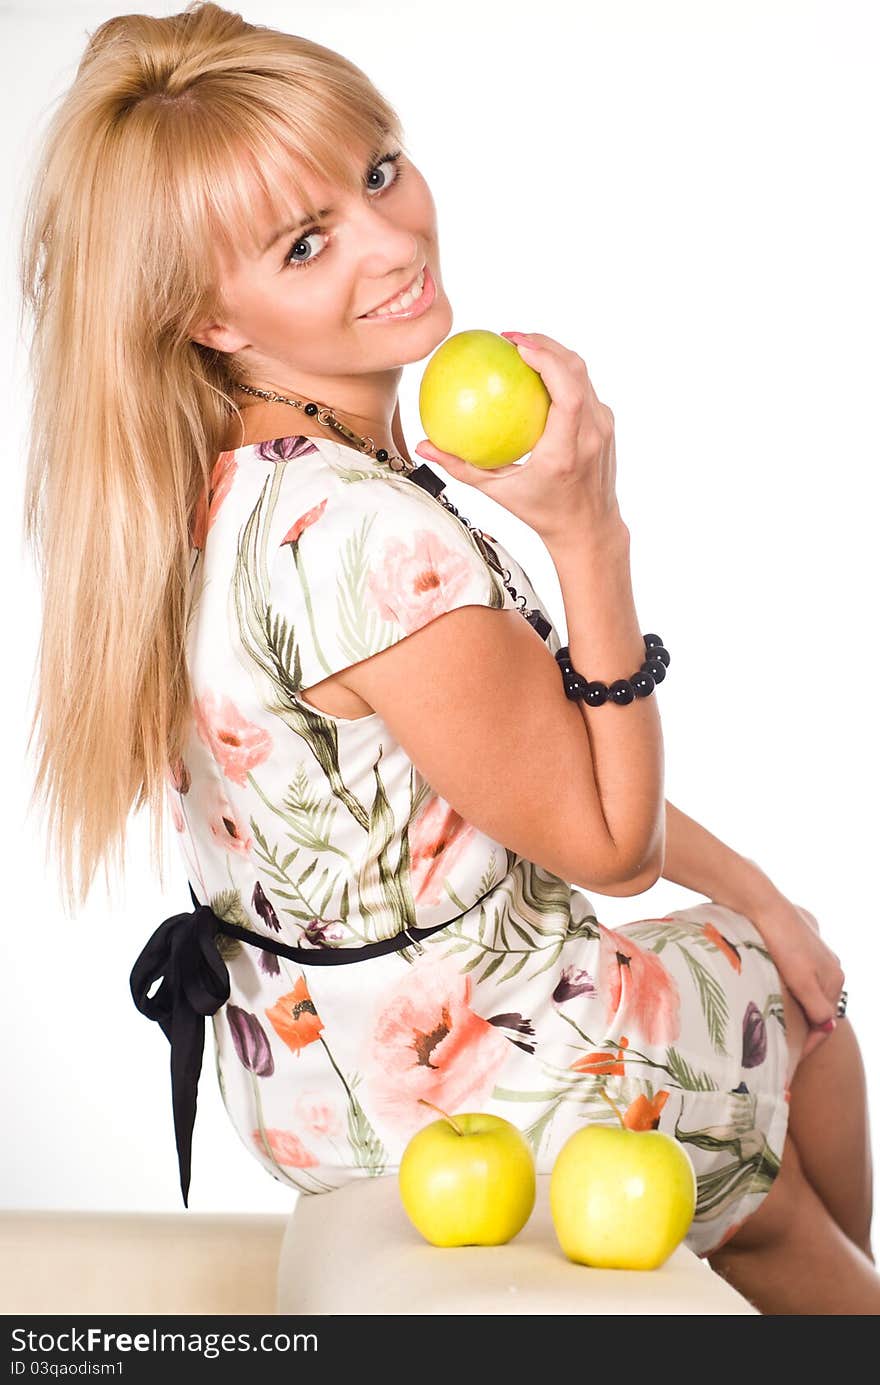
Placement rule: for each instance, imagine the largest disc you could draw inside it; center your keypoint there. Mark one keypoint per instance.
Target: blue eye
(316, 230)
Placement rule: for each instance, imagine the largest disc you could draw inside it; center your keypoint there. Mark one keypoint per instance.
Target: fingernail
(515, 336)
(828, 1025)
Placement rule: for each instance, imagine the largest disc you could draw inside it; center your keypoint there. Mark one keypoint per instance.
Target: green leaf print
(753, 1166)
(536, 910)
(486, 883)
(492, 967)
(517, 967)
(360, 625)
(301, 907)
(385, 886)
(775, 1007)
(309, 818)
(369, 1152)
(227, 905)
(270, 645)
(685, 1076)
(712, 999)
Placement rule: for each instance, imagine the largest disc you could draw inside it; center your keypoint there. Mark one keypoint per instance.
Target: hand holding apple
(568, 485)
(467, 1180)
(620, 1198)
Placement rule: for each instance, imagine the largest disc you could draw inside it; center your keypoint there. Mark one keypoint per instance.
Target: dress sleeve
(359, 566)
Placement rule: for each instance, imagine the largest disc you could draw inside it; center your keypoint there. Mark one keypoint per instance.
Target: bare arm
(702, 862)
(605, 643)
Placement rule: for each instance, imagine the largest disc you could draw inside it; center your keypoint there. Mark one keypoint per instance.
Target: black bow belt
(195, 983)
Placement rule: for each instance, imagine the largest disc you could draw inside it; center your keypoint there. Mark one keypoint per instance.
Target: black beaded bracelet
(640, 684)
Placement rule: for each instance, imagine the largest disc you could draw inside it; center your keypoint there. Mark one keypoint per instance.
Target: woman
(261, 612)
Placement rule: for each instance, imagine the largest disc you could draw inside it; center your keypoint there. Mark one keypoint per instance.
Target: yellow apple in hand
(467, 1180)
(620, 1198)
(480, 401)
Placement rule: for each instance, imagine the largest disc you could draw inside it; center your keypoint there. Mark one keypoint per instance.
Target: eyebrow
(325, 211)
(294, 226)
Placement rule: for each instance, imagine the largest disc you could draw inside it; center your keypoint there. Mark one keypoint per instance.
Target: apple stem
(445, 1114)
(614, 1105)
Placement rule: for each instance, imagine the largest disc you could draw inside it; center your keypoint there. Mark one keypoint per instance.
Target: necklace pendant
(487, 550)
(539, 622)
(427, 479)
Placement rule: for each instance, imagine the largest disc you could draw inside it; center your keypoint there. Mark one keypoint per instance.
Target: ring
(841, 1004)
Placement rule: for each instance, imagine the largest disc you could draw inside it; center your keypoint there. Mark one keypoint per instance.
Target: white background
(685, 194)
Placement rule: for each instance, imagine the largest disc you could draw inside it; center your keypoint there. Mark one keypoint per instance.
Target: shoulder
(339, 562)
(382, 537)
(319, 502)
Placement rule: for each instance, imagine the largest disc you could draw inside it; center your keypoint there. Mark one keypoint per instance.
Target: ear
(218, 337)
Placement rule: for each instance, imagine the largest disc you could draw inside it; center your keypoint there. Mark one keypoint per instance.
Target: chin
(442, 322)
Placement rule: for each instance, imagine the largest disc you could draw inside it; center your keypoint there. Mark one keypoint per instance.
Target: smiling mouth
(403, 300)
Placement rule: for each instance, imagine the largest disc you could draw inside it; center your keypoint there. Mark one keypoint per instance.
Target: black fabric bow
(195, 984)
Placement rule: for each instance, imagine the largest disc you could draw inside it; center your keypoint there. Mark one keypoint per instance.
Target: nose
(386, 249)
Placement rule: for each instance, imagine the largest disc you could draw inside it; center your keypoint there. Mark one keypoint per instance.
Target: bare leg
(791, 1257)
(828, 1120)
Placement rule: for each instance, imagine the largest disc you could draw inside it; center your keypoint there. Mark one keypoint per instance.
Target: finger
(597, 414)
(816, 1005)
(477, 476)
(568, 395)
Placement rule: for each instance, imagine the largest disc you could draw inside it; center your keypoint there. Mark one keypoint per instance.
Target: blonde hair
(142, 174)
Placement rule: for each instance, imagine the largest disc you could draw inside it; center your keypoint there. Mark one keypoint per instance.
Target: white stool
(354, 1251)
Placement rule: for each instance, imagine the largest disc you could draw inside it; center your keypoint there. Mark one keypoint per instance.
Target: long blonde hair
(143, 172)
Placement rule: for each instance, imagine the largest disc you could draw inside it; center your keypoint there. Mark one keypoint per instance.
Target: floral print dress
(318, 831)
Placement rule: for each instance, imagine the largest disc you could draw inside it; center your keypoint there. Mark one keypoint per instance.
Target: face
(296, 316)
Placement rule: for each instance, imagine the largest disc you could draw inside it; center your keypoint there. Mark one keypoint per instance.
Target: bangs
(233, 161)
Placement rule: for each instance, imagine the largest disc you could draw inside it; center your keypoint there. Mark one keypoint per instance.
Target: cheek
(423, 201)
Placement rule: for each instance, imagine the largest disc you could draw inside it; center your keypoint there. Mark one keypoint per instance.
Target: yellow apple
(480, 401)
(620, 1198)
(467, 1180)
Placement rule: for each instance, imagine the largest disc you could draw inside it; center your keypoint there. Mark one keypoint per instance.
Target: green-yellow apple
(620, 1198)
(480, 401)
(467, 1180)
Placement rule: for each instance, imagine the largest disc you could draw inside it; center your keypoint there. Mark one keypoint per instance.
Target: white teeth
(404, 301)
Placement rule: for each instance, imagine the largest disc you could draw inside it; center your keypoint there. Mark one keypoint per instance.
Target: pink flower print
(204, 514)
(226, 828)
(428, 1042)
(437, 838)
(299, 526)
(414, 584)
(287, 1148)
(236, 743)
(640, 993)
(317, 1116)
